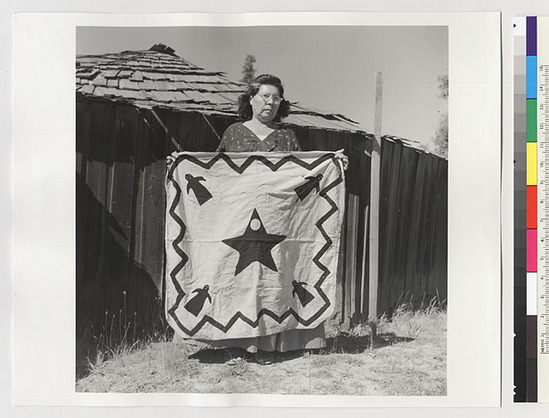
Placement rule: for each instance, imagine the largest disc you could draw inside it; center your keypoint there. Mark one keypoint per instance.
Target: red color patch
(531, 207)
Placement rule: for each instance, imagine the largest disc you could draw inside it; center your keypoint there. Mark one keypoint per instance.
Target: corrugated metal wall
(120, 212)
(413, 227)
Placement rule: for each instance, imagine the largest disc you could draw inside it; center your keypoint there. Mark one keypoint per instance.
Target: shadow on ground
(222, 355)
(219, 355)
(348, 343)
(341, 343)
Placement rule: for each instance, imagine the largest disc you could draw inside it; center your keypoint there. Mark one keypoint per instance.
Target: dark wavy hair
(244, 106)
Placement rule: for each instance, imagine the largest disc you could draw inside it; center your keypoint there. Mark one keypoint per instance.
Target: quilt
(252, 242)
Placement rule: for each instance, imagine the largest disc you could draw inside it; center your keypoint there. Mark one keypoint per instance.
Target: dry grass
(116, 334)
(409, 358)
(413, 323)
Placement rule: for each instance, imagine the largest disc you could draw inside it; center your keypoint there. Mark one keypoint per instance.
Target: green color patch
(531, 120)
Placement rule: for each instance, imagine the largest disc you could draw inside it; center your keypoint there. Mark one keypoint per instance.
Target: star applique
(254, 245)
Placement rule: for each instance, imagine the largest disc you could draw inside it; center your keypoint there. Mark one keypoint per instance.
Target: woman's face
(265, 103)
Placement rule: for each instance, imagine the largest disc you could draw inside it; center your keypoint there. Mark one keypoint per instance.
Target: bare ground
(409, 358)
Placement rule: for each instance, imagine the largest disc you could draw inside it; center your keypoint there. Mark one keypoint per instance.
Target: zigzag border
(316, 259)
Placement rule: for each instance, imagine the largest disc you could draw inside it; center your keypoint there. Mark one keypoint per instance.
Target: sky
(331, 68)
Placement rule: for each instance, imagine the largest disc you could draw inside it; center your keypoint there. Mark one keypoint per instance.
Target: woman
(262, 108)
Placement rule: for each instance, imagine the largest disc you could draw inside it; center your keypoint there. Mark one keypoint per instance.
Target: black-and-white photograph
(262, 209)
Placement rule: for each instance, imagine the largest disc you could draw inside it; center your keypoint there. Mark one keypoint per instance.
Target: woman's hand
(170, 159)
(344, 159)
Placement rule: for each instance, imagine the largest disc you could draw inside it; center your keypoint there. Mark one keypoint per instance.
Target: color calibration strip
(525, 199)
(531, 281)
(531, 208)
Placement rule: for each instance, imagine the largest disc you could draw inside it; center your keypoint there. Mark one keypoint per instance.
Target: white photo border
(44, 211)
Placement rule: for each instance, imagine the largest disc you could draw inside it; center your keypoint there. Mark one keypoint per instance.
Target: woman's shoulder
(288, 136)
(235, 125)
(232, 129)
(286, 130)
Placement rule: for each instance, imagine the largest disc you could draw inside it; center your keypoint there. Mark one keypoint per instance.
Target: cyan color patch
(531, 77)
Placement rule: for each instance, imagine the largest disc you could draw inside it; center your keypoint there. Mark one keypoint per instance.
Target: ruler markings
(543, 208)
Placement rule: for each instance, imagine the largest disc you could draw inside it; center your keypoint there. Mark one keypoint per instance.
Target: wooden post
(375, 179)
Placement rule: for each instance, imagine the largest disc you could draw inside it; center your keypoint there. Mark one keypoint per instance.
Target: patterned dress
(239, 138)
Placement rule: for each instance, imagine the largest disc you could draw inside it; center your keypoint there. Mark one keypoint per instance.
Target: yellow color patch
(531, 163)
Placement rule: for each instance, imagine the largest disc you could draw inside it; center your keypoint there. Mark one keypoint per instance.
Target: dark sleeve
(293, 142)
(227, 136)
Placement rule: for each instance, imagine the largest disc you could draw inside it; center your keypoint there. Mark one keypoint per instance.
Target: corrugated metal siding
(413, 226)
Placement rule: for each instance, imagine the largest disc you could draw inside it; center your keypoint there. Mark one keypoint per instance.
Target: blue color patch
(531, 77)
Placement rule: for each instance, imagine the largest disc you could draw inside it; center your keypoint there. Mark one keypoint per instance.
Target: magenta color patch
(531, 250)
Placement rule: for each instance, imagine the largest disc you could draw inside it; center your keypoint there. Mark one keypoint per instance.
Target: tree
(443, 86)
(248, 71)
(440, 140)
(441, 136)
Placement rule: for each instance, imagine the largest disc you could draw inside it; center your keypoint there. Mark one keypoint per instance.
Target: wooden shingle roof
(157, 78)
